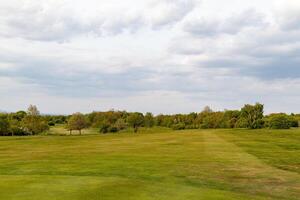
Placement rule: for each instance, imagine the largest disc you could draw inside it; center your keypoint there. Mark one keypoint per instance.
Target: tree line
(250, 116)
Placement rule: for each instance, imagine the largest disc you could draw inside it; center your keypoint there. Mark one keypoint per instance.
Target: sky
(162, 56)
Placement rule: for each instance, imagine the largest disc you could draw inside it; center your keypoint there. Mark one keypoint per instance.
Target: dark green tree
(149, 119)
(135, 120)
(253, 115)
(4, 125)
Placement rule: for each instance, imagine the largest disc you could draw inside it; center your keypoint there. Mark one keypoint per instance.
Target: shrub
(179, 126)
(294, 122)
(120, 124)
(51, 123)
(112, 129)
(279, 121)
(104, 127)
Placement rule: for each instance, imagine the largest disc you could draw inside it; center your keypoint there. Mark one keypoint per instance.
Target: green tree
(4, 125)
(15, 127)
(135, 120)
(120, 124)
(253, 115)
(77, 122)
(33, 123)
(149, 119)
(18, 115)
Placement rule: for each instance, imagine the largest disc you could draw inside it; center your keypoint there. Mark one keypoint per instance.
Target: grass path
(196, 165)
(248, 173)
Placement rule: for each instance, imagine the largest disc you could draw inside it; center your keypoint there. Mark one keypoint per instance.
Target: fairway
(153, 164)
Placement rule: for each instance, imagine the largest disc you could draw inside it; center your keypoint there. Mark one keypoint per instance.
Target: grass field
(154, 164)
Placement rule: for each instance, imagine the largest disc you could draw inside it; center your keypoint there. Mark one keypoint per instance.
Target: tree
(104, 126)
(212, 120)
(135, 120)
(18, 115)
(4, 125)
(207, 109)
(33, 111)
(230, 118)
(33, 123)
(120, 124)
(253, 115)
(15, 127)
(77, 122)
(149, 119)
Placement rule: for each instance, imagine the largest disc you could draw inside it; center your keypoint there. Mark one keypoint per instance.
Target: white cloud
(62, 20)
(152, 55)
(229, 25)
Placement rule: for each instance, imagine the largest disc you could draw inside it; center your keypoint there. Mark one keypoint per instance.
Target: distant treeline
(250, 116)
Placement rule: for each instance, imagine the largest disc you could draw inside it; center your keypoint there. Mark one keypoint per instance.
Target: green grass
(153, 164)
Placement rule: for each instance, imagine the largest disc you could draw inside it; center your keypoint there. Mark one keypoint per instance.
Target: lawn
(153, 164)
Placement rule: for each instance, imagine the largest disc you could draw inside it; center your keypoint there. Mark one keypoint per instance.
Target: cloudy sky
(163, 56)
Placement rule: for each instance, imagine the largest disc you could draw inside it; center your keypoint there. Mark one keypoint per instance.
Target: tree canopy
(77, 122)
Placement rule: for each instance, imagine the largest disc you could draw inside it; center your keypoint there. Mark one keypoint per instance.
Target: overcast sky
(163, 56)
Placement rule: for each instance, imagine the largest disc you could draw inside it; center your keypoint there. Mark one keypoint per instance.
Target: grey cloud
(58, 23)
(231, 25)
(51, 26)
(89, 84)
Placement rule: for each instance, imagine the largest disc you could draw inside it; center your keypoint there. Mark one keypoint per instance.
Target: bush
(279, 121)
(51, 123)
(294, 122)
(120, 124)
(179, 126)
(104, 127)
(192, 126)
(112, 129)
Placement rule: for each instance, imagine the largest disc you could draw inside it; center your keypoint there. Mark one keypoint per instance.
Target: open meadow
(155, 163)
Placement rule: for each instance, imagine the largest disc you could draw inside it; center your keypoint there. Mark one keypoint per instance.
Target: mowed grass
(153, 164)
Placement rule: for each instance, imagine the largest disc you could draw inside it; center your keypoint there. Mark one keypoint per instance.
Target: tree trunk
(70, 132)
(80, 132)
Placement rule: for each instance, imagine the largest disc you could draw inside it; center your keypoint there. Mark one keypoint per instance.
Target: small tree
(135, 120)
(253, 115)
(77, 122)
